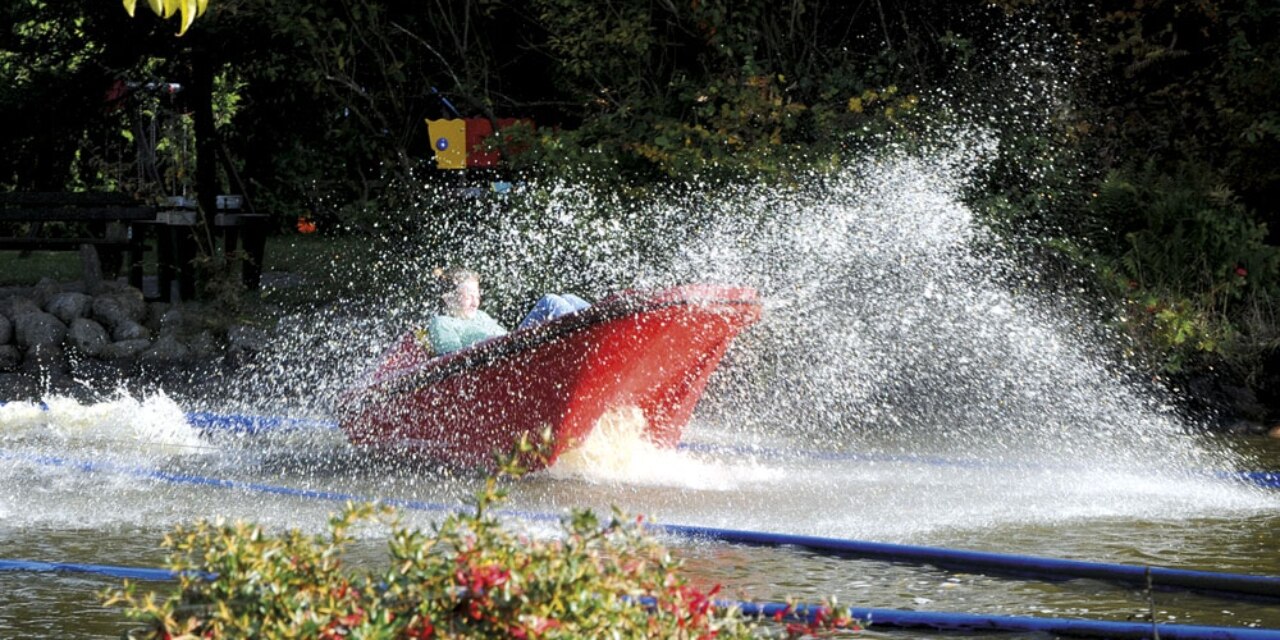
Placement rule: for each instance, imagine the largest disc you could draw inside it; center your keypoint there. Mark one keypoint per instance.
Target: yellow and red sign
(460, 143)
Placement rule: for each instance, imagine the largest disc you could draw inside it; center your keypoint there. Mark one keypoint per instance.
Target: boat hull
(654, 350)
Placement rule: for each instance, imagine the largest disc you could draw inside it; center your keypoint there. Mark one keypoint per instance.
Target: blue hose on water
(208, 422)
(131, 573)
(1262, 479)
(1001, 563)
(997, 563)
(875, 617)
(970, 623)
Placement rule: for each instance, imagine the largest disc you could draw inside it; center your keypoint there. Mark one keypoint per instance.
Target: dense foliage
(470, 577)
(1140, 139)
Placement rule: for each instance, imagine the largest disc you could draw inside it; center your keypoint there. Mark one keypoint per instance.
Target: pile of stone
(50, 326)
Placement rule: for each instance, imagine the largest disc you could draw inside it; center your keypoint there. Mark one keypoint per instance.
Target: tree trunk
(207, 188)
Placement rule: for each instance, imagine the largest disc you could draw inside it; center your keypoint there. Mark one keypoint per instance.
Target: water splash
(618, 452)
(154, 424)
(892, 326)
(892, 323)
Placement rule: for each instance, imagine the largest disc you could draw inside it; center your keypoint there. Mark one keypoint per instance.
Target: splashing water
(617, 451)
(893, 337)
(155, 424)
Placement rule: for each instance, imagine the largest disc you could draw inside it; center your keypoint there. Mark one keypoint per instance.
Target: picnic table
(100, 225)
(103, 226)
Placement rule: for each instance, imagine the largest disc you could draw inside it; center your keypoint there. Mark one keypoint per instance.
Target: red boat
(653, 350)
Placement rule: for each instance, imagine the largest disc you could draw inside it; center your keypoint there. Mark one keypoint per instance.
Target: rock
(1244, 403)
(6, 330)
(171, 322)
(114, 308)
(167, 348)
(87, 336)
(155, 312)
(45, 359)
(15, 306)
(10, 357)
(21, 387)
(113, 286)
(68, 306)
(90, 267)
(1268, 382)
(123, 349)
(1242, 427)
(203, 344)
(38, 330)
(130, 330)
(241, 338)
(97, 370)
(44, 291)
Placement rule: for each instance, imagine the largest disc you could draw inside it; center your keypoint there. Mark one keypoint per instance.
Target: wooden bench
(93, 222)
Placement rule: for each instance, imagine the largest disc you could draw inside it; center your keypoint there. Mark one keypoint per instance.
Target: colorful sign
(449, 141)
(462, 143)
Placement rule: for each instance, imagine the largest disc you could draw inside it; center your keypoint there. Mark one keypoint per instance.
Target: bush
(469, 578)
(1192, 266)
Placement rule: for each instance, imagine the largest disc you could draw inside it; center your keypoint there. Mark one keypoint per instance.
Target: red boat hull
(653, 350)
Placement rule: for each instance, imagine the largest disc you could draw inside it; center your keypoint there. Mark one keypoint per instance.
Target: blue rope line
(131, 573)
(188, 479)
(208, 422)
(1262, 479)
(1001, 563)
(998, 563)
(968, 622)
(877, 617)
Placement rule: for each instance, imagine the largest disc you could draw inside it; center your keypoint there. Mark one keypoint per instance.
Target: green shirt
(449, 334)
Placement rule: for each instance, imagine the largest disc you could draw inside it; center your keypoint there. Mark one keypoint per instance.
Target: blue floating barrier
(999, 563)
(132, 573)
(209, 422)
(1022, 566)
(877, 618)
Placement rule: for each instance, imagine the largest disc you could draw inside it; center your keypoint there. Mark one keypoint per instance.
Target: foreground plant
(468, 578)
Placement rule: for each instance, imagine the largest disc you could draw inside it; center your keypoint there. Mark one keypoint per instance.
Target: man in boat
(463, 323)
(550, 307)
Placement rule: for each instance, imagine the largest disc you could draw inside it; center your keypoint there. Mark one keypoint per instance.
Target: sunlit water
(900, 388)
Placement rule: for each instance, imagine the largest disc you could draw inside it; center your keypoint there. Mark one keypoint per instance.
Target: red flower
(1242, 272)
(306, 225)
(352, 620)
(421, 630)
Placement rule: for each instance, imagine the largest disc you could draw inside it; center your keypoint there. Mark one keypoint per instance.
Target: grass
(19, 270)
(317, 260)
(310, 255)
(323, 265)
